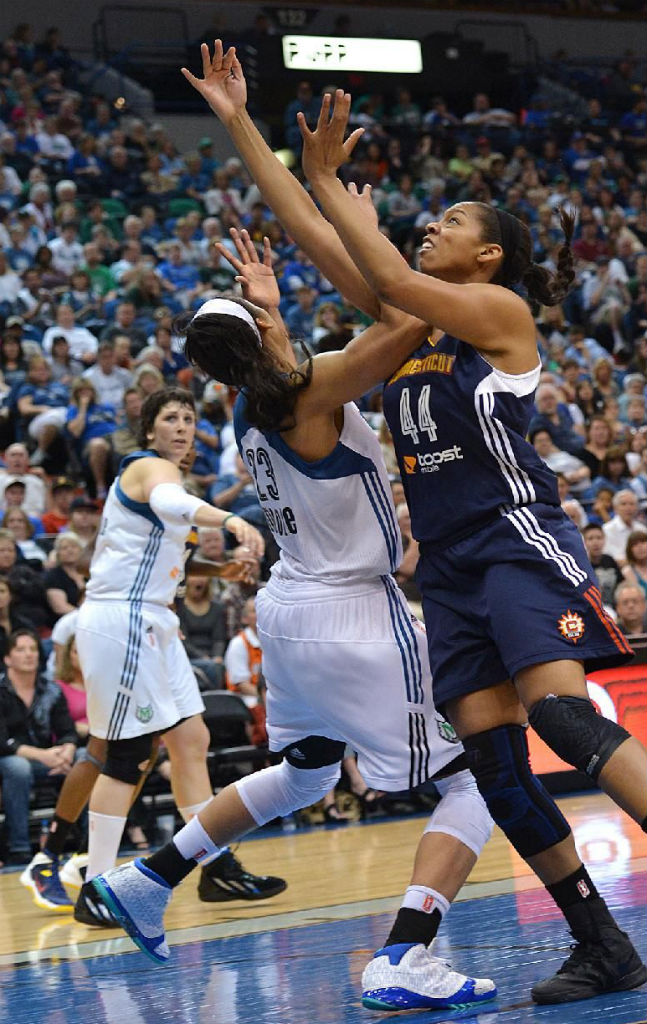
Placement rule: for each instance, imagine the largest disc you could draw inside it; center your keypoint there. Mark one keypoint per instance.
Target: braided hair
(517, 267)
(227, 349)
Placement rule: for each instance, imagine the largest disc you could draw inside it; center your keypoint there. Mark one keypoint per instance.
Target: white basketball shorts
(137, 675)
(350, 663)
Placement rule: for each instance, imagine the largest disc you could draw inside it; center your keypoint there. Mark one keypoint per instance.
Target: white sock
(426, 900)
(104, 836)
(190, 812)
(195, 844)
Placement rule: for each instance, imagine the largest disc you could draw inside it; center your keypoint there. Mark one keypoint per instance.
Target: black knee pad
(314, 752)
(124, 758)
(573, 729)
(516, 799)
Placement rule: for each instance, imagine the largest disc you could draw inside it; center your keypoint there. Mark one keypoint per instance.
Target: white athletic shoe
(407, 977)
(72, 874)
(138, 898)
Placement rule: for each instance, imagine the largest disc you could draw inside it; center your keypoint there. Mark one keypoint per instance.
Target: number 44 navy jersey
(459, 427)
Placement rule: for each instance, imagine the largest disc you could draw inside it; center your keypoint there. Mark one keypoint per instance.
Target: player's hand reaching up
(256, 277)
(223, 86)
(324, 149)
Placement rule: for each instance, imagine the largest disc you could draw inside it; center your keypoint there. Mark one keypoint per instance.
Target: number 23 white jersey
(333, 519)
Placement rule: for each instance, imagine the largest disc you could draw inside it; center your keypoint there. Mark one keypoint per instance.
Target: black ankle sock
(414, 926)
(643, 824)
(59, 830)
(169, 864)
(575, 888)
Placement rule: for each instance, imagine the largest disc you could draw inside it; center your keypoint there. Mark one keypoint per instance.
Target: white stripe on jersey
(494, 433)
(527, 525)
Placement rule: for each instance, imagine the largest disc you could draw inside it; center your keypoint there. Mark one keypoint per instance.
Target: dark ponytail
(517, 266)
(226, 348)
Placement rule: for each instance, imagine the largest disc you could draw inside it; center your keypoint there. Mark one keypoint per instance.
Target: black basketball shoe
(225, 879)
(603, 959)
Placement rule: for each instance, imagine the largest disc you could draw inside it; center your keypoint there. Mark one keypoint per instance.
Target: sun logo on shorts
(571, 626)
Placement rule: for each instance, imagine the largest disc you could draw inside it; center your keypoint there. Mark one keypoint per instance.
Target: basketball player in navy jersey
(223, 87)
(336, 634)
(513, 611)
(603, 959)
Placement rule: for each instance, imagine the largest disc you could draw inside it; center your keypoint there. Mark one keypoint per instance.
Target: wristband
(232, 515)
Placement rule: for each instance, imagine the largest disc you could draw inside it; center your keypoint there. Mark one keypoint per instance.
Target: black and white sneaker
(225, 879)
(91, 909)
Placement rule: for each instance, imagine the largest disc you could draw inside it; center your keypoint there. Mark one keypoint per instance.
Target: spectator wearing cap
(125, 439)
(108, 380)
(84, 522)
(89, 423)
(65, 583)
(16, 459)
(58, 515)
(208, 162)
(14, 497)
(207, 433)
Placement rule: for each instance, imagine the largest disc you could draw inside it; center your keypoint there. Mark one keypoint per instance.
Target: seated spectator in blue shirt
(37, 736)
(194, 182)
(236, 492)
(184, 278)
(90, 423)
(553, 416)
(300, 317)
(585, 351)
(42, 408)
(310, 105)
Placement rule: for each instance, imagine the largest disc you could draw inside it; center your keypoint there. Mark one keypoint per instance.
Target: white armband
(170, 501)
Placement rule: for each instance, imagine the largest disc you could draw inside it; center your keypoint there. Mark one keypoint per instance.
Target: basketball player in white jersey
(344, 660)
(138, 678)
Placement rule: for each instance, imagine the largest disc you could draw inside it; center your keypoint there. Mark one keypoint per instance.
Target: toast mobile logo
(410, 463)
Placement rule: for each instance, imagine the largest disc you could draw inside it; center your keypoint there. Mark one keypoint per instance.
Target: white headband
(231, 309)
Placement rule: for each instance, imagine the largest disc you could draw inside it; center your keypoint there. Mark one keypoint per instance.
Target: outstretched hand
(255, 277)
(324, 149)
(223, 86)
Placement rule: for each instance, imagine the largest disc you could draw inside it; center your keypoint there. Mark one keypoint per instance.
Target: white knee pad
(461, 812)
(277, 791)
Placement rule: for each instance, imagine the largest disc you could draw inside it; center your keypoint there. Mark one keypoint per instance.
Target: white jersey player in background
(344, 660)
(138, 678)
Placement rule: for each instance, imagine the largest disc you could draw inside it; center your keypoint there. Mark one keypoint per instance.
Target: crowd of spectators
(108, 231)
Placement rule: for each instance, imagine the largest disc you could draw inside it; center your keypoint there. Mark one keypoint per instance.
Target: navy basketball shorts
(517, 592)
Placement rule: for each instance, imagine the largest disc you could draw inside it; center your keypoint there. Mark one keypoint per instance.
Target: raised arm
(491, 318)
(256, 278)
(223, 87)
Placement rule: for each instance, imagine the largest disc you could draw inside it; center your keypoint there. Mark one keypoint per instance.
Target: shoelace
(586, 960)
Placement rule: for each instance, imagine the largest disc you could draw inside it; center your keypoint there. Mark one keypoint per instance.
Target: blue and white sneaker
(138, 898)
(407, 977)
(42, 879)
